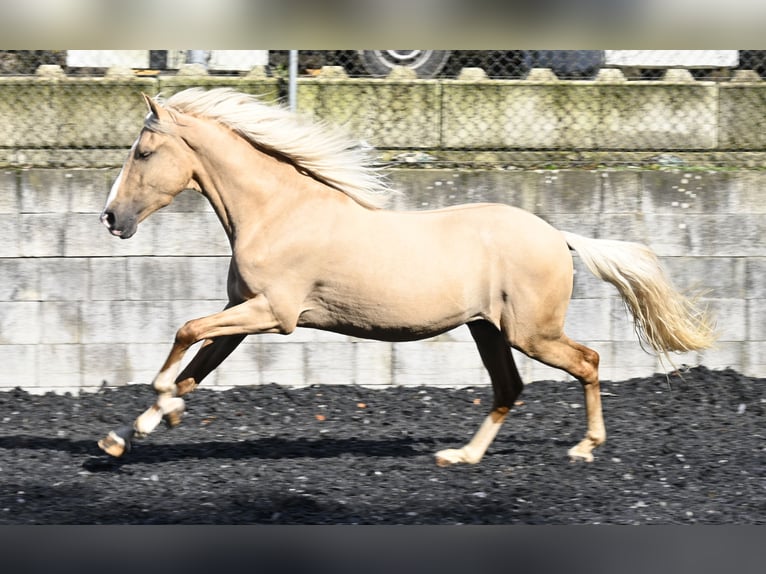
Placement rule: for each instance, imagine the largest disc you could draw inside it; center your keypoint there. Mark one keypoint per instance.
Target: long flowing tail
(665, 320)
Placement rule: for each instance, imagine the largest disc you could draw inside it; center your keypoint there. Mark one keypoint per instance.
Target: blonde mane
(327, 153)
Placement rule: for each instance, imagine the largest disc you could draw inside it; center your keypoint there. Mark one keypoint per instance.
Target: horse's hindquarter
(410, 275)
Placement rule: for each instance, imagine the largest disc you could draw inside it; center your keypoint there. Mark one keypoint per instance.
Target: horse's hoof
(113, 445)
(579, 456)
(450, 456)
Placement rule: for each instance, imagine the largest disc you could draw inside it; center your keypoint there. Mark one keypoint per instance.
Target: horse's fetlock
(186, 386)
(171, 405)
(148, 421)
(163, 388)
(598, 438)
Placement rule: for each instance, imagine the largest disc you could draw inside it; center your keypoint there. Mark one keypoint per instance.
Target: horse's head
(158, 168)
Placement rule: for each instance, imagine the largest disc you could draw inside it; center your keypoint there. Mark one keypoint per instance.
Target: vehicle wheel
(427, 63)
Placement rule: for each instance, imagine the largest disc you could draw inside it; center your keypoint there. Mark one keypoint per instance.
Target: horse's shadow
(260, 448)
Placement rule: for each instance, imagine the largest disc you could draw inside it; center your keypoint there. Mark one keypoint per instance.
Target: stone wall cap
(192, 70)
(746, 76)
(610, 75)
(120, 72)
(50, 71)
(257, 73)
(473, 75)
(541, 75)
(332, 73)
(402, 73)
(678, 75)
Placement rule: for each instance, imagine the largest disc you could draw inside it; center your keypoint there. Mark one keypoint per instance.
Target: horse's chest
(256, 273)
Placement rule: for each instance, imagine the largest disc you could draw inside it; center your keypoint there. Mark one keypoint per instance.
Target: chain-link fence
(516, 64)
(514, 102)
(498, 64)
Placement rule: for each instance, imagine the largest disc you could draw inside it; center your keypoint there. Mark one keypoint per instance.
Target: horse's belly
(390, 312)
(378, 328)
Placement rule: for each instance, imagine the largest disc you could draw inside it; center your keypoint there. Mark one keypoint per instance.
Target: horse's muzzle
(123, 231)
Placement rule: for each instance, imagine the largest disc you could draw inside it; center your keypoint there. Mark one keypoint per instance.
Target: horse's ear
(152, 105)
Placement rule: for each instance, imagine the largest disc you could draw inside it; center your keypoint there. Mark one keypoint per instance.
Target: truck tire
(426, 63)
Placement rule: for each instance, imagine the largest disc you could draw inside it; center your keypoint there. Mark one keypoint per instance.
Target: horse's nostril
(107, 218)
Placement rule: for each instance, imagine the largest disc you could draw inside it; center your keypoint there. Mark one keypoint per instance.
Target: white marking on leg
(165, 381)
(584, 449)
(167, 402)
(148, 420)
(473, 452)
(170, 405)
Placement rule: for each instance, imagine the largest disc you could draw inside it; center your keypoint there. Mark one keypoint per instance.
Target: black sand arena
(679, 451)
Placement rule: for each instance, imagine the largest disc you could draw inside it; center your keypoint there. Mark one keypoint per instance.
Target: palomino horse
(311, 247)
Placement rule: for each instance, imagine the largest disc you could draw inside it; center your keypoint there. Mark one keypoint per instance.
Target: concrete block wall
(79, 307)
(543, 113)
(90, 122)
(707, 226)
(580, 115)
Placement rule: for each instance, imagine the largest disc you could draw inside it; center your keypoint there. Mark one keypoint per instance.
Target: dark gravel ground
(689, 453)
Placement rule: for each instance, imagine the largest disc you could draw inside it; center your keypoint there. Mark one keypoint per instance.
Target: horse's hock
(81, 309)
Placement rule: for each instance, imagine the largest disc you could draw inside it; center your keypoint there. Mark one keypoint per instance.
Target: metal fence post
(293, 80)
(197, 57)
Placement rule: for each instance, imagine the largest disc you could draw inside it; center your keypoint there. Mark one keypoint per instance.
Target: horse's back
(454, 243)
(507, 232)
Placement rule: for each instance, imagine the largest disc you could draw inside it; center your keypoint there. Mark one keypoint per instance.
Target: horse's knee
(187, 335)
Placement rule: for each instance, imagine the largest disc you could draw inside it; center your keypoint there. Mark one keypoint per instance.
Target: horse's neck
(248, 188)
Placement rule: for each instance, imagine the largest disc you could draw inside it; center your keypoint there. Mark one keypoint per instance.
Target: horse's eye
(143, 154)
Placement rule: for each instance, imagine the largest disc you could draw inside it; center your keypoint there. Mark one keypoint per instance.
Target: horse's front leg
(226, 330)
(169, 404)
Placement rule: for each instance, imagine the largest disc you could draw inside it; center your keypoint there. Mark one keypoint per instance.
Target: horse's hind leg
(506, 386)
(582, 363)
